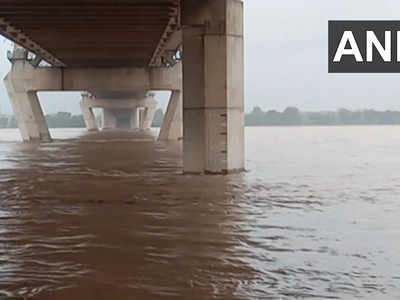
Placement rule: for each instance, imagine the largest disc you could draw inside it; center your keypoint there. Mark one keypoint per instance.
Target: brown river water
(109, 215)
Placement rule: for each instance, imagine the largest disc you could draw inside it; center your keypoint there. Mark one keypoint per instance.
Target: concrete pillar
(109, 119)
(149, 113)
(213, 82)
(142, 115)
(135, 118)
(9, 121)
(88, 115)
(25, 103)
(171, 128)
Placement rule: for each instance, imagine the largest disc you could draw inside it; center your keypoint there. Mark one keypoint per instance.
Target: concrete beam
(107, 79)
(170, 29)
(128, 103)
(16, 35)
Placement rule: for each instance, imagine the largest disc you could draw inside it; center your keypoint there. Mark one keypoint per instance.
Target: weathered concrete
(25, 102)
(88, 115)
(109, 120)
(209, 34)
(102, 79)
(172, 128)
(121, 103)
(213, 78)
(25, 80)
(150, 108)
(114, 108)
(97, 34)
(142, 115)
(135, 118)
(148, 117)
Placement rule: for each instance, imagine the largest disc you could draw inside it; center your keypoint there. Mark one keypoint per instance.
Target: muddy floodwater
(109, 215)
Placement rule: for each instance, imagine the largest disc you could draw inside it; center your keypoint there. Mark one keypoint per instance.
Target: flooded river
(110, 216)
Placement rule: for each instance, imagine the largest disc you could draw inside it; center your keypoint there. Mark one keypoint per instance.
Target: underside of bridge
(121, 47)
(93, 33)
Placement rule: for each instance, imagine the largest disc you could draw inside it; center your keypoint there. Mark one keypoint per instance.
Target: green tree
(291, 116)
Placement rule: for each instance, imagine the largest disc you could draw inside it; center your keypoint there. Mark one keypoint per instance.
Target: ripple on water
(110, 216)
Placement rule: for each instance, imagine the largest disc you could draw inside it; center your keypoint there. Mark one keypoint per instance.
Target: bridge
(122, 48)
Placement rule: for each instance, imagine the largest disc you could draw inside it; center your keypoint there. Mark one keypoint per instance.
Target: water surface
(110, 216)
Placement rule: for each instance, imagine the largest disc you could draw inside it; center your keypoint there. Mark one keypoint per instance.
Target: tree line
(291, 116)
(67, 120)
(58, 120)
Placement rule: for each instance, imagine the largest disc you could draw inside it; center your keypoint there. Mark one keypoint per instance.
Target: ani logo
(364, 46)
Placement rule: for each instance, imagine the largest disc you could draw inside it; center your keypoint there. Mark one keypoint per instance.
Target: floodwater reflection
(110, 216)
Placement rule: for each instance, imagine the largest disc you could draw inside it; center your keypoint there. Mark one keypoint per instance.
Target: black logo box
(348, 63)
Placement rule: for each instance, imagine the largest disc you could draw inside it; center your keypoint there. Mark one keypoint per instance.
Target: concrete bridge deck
(92, 33)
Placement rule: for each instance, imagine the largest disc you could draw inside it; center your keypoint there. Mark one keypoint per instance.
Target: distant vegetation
(291, 116)
(67, 120)
(58, 120)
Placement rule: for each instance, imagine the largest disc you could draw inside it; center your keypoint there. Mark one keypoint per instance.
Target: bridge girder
(99, 33)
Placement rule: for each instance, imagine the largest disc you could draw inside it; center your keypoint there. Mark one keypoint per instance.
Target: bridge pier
(135, 119)
(88, 115)
(213, 84)
(25, 102)
(148, 115)
(209, 34)
(172, 126)
(213, 114)
(134, 111)
(109, 120)
(24, 81)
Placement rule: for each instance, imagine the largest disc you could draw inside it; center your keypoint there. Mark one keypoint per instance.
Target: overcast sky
(286, 59)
